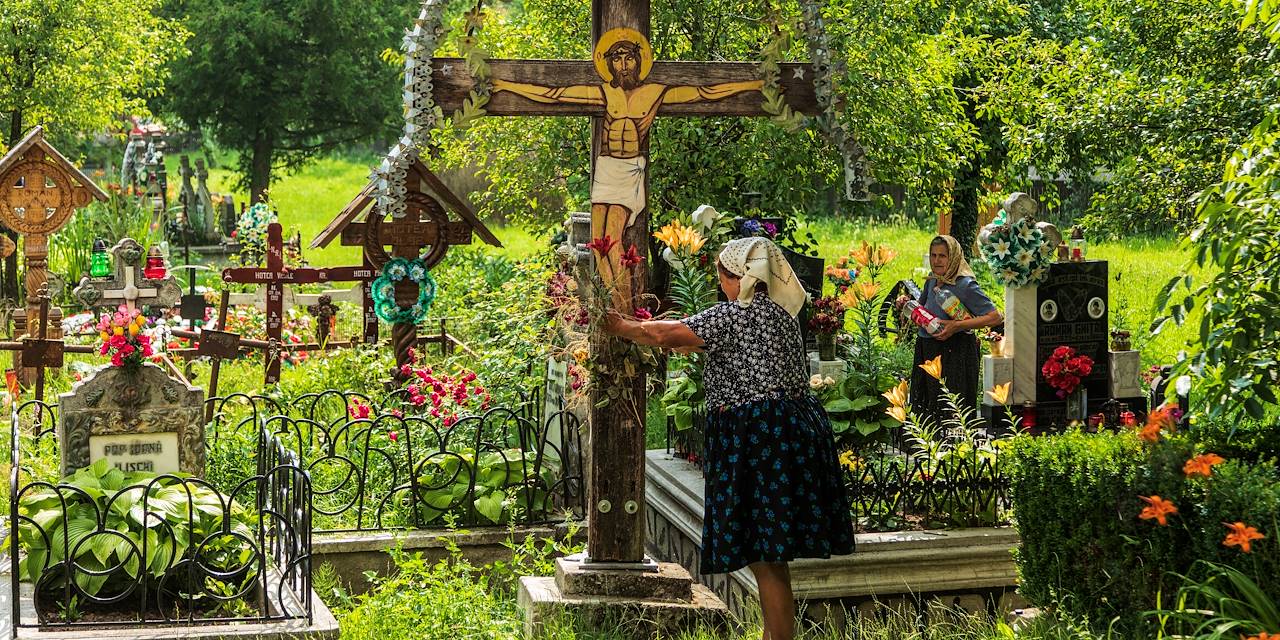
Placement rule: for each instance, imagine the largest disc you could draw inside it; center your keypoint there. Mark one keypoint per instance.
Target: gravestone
(129, 286)
(139, 420)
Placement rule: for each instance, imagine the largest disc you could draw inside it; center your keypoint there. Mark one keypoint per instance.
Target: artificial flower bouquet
(1065, 369)
(123, 339)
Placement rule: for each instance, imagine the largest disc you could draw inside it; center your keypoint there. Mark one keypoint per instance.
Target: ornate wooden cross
(275, 276)
(39, 190)
(128, 286)
(623, 89)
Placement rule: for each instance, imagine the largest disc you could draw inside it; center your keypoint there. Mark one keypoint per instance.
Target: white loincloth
(620, 181)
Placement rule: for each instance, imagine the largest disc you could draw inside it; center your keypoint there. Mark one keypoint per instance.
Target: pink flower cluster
(446, 394)
(122, 337)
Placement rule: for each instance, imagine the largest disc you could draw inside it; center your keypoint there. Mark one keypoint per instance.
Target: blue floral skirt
(774, 489)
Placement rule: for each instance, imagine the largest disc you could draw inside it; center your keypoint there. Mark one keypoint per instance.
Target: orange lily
(884, 255)
(933, 367)
(1151, 432)
(1241, 536)
(1000, 393)
(1262, 636)
(861, 255)
(1202, 465)
(1157, 509)
(897, 396)
(897, 413)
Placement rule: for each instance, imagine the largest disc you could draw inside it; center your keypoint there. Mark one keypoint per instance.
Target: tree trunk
(260, 167)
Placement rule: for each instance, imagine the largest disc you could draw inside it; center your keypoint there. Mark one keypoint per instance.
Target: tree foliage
(1238, 237)
(1147, 97)
(77, 65)
(281, 82)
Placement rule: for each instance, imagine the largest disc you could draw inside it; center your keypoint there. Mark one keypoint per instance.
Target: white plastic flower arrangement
(1018, 253)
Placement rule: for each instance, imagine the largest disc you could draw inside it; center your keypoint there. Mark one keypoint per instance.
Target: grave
(139, 420)
(1069, 308)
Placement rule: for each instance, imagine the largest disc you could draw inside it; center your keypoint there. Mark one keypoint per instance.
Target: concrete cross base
(547, 607)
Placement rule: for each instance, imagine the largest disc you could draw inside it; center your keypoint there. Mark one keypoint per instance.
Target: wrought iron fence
(892, 488)
(388, 471)
(106, 549)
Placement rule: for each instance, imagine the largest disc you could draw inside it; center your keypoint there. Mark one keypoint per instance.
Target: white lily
(1000, 248)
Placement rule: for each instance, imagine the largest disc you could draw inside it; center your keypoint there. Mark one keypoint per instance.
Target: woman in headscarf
(773, 485)
(955, 342)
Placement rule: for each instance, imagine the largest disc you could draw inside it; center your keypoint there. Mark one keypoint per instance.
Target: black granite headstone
(1072, 311)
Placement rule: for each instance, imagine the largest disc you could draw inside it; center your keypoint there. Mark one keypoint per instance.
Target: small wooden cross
(324, 311)
(275, 276)
(40, 352)
(128, 286)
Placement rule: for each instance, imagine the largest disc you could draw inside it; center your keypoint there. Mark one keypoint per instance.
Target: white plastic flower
(1000, 248)
(706, 215)
(1025, 256)
(815, 381)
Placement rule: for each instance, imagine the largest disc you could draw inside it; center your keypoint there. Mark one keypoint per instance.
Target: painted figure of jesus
(623, 59)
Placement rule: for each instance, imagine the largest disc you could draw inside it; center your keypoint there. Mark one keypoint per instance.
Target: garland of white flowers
(856, 174)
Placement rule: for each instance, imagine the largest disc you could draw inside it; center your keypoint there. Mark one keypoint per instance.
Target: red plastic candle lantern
(1029, 416)
(155, 265)
(1127, 418)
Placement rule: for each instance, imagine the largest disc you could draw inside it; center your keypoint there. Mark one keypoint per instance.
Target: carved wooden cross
(275, 276)
(39, 190)
(128, 286)
(623, 89)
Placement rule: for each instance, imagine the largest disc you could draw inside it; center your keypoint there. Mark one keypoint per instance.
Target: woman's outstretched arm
(655, 333)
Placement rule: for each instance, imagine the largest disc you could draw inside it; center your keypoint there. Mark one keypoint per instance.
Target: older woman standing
(773, 485)
(955, 343)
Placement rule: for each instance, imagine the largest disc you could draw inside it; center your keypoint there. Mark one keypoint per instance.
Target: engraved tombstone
(140, 420)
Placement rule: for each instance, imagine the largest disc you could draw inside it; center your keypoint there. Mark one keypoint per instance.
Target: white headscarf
(760, 260)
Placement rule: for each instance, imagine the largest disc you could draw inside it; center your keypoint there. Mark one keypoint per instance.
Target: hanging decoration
(399, 270)
(468, 46)
(857, 177)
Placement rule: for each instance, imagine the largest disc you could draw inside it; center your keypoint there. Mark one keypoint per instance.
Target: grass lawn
(308, 200)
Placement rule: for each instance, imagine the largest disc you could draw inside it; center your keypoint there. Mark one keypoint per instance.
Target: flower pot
(826, 346)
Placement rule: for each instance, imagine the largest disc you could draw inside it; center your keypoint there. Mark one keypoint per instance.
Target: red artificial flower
(643, 314)
(1065, 370)
(631, 257)
(603, 245)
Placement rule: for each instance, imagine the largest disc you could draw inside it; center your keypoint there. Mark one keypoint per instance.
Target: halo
(614, 36)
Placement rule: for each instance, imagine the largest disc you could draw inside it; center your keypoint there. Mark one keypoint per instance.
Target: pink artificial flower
(393, 436)
(643, 314)
(397, 413)
(406, 370)
(436, 398)
(449, 421)
(117, 360)
(412, 389)
(418, 400)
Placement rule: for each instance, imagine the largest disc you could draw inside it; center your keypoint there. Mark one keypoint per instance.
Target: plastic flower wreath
(1017, 252)
(123, 339)
(384, 291)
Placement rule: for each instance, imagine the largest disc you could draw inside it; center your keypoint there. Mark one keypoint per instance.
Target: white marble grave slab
(995, 370)
(1021, 334)
(1126, 367)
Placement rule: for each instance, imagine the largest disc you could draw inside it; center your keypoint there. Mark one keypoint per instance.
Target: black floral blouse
(753, 352)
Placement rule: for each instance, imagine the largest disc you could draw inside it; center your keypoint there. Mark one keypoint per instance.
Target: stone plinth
(1021, 317)
(834, 368)
(638, 600)
(965, 566)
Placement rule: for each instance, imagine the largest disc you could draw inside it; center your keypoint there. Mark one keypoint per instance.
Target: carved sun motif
(36, 197)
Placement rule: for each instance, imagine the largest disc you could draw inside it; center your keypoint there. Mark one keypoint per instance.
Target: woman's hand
(614, 323)
(902, 300)
(949, 328)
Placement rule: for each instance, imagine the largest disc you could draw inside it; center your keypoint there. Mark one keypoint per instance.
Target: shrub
(1084, 547)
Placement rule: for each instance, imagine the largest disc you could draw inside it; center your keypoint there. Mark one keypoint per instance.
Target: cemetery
(640, 319)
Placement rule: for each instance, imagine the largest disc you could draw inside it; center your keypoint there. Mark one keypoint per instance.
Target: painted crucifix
(623, 89)
(619, 183)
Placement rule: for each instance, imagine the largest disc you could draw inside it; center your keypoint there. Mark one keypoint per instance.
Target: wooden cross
(623, 89)
(39, 190)
(425, 232)
(128, 286)
(41, 351)
(275, 276)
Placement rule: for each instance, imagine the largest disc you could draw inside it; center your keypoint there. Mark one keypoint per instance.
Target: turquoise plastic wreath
(384, 291)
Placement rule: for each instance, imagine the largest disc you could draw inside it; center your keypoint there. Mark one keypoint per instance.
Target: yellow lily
(897, 396)
(1000, 393)
(668, 234)
(885, 255)
(866, 290)
(933, 367)
(862, 254)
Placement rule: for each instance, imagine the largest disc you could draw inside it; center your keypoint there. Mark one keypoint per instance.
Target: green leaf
(490, 506)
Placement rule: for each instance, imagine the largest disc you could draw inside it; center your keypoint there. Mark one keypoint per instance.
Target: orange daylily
(1202, 465)
(1262, 636)
(1241, 536)
(933, 367)
(1000, 393)
(1157, 509)
(1150, 433)
(897, 396)
(866, 290)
